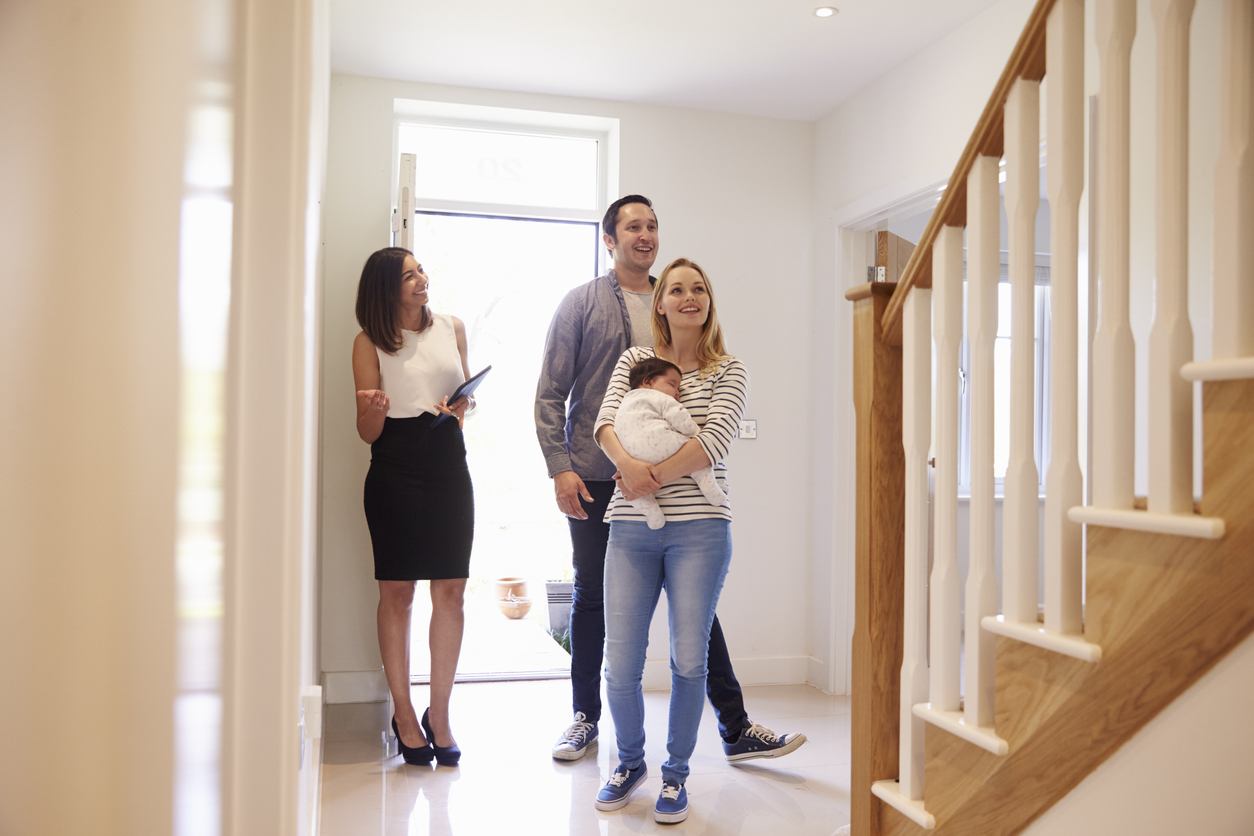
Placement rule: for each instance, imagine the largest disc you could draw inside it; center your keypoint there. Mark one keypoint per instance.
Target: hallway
(508, 784)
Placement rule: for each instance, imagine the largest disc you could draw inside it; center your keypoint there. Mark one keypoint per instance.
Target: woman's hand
(457, 408)
(636, 479)
(372, 400)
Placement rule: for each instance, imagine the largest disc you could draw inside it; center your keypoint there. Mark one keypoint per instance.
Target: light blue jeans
(689, 560)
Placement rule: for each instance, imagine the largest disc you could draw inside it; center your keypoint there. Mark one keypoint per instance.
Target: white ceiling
(758, 57)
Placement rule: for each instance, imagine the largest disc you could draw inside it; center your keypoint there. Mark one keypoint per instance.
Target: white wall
(732, 192)
(900, 135)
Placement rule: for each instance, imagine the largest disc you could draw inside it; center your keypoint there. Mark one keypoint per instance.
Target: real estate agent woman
(419, 502)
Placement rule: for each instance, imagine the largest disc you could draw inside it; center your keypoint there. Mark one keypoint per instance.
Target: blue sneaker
(618, 789)
(760, 742)
(578, 739)
(672, 804)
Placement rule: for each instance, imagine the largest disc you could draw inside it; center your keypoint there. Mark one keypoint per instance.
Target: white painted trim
(604, 129)
(270, 385)
(955, 723)
(890, 793)
(761, 670)
(1180, 525)
(354, 686)
(1232, 368)
(536, 121)
(310, 759)
(817, 675)
(1036, 634)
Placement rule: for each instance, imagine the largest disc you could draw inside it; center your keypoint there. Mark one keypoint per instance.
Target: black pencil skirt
(420, 505)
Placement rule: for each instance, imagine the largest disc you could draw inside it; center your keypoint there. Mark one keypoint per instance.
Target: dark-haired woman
(419, 502)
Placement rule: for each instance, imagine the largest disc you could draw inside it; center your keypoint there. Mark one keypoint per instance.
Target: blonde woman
(689, 556)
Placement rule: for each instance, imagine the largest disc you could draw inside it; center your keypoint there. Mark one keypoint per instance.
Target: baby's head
(655, 373)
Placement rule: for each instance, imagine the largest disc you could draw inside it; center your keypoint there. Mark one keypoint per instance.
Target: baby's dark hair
(648, 369)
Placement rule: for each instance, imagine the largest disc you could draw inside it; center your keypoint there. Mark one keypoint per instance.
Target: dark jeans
(587, 626)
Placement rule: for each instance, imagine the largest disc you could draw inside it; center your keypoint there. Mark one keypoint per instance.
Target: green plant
(562, 637)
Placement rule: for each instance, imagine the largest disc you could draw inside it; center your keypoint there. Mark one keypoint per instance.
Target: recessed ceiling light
(825, 11)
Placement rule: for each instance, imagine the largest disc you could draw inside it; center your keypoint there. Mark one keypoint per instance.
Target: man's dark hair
(649, 368)
(609, 223)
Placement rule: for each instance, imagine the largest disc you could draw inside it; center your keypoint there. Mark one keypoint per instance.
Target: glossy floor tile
(509, 784)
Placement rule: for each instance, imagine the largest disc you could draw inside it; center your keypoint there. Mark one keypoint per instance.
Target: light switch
(748, 429)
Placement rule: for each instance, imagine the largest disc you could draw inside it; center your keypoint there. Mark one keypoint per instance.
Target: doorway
(504, 276)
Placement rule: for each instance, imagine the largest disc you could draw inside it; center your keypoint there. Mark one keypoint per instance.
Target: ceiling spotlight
(825, 11)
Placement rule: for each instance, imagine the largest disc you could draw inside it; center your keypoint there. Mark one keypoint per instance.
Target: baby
(652, 425)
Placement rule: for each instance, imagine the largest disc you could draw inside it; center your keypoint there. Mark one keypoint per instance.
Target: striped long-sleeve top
(716, 401)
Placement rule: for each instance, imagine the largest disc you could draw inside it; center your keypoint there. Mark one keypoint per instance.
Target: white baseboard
(354, 686)
(819, 675)
(761, 670)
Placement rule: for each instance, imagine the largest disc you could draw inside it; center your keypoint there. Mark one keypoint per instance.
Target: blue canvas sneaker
(760, 742)
(577, 740)
(672, 804)
(618, 789)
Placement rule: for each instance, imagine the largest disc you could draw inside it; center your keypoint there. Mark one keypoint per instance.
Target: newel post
(879, 554)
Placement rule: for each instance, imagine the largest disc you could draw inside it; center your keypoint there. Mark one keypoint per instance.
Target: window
(500, 167)
(1001, 384)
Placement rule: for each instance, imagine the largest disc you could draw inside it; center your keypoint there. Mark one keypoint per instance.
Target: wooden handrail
(1026, 61)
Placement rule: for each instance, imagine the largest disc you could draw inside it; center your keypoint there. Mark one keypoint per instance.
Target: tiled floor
(508, 783)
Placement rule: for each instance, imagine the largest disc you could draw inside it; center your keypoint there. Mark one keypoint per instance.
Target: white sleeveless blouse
(427, 367)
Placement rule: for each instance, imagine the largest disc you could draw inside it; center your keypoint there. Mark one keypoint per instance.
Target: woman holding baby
(689, 553)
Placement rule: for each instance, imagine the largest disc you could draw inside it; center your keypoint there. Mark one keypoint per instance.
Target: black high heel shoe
(444, 755)
(417, 755)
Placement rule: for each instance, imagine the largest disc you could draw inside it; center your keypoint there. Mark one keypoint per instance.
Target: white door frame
(852, 223)
(282, 83)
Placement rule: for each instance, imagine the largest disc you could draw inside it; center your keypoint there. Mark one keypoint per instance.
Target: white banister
(1114, 354)
(983, 273)
(916, 429)
(946, 590)
(1064, 66)
(1023, 196)
(1234, 187)
(1171, 337)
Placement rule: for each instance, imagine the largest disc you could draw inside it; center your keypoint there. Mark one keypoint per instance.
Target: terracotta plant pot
(515, 607)
(510, 588)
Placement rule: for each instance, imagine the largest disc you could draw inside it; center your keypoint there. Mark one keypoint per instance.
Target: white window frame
(604, 130)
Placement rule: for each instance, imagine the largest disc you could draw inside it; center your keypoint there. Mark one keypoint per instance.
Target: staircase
(975, 708)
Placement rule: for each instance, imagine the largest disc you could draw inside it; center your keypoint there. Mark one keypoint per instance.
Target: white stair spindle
(1021, 505)
(946, 588)
(1064, 62)
(1234, 187)
(916, 402)
(1171, 337)
(1114, 354)
(983, 272)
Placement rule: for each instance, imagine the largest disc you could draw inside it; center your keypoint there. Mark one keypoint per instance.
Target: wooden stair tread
(1179, 525)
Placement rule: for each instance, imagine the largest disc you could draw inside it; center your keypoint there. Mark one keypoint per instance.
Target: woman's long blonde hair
(710, 349)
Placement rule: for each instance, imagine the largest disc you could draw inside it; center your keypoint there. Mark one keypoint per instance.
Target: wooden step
(1179, 525)
(1035, 633)
(1235, 368)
